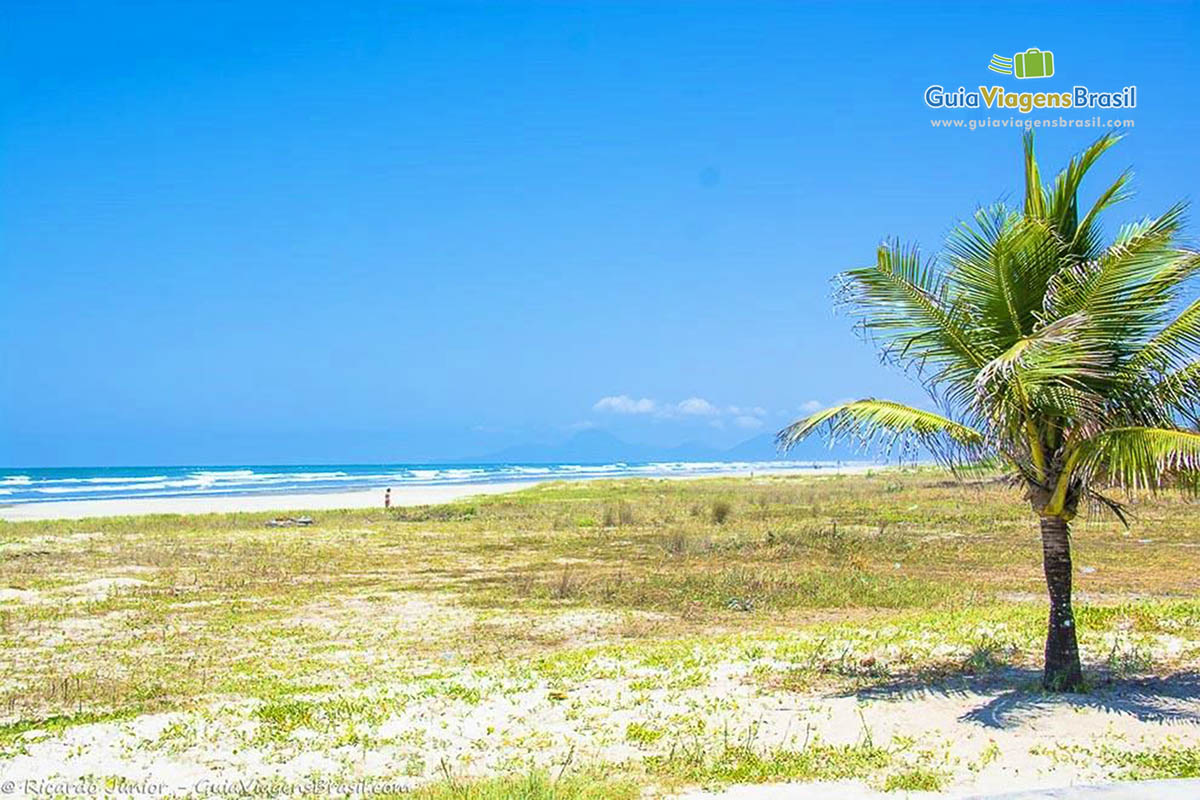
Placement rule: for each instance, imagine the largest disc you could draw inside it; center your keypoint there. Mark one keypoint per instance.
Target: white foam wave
(193, 481)
(96, 488)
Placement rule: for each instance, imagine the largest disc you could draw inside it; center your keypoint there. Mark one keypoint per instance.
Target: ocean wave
(593, 468)
(147, 479)
(98, 488)
(69, 484)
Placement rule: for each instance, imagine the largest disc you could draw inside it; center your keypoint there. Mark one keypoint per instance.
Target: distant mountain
(763, 448)
(597, 446)
(590, 446)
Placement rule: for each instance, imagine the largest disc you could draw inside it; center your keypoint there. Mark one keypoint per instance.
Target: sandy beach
(217, 504)
(813, 628)
(325, 501)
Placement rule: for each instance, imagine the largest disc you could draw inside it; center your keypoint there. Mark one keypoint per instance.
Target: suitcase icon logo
(1033, 63)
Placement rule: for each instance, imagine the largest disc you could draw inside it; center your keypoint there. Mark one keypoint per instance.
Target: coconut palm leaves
(868, 420)
(907, 306)
(1037, 338)
(1138, 457)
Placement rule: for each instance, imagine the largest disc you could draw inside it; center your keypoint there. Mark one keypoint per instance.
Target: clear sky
(307, 232)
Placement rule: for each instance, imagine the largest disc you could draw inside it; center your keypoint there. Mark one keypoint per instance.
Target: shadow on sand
(1012, 697)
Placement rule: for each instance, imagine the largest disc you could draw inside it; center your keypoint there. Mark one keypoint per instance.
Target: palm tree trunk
(1062, 650)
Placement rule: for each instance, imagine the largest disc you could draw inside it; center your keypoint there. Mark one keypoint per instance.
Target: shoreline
(332, 501)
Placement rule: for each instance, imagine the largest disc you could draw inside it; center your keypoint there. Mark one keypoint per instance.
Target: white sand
(517, 720)
(314, 501)
(321, 501)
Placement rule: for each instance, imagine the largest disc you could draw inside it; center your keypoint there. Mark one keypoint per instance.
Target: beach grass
(620, 619)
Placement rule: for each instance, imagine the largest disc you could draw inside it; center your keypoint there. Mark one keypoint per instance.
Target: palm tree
(1071, 363)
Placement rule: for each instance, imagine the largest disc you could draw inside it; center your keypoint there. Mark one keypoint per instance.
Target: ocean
(31, 485)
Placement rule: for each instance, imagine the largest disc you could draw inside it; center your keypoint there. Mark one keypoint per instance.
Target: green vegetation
(745, 764)
(917, 779)
(1166, 762)
(1171, 760)
(501, 647)
(1074, 364)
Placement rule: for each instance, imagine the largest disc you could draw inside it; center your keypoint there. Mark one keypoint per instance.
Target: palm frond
(1139, 458)
(1178, 393)
(1114, 507)
(1035, 195)
(905, 304)
(1165, 287)
(1177, 342)
(1085, 242)
(871, 421)
(999, 267)
(1075, 362)
(1062, 205)
(1026, 350)
(1141, 253)
(1048, 375)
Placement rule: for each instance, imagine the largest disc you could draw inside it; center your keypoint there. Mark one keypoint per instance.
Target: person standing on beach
(387, 497)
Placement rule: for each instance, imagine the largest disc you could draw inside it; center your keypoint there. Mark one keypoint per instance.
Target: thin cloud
(697, 407)
(624, 404)
(692, 407)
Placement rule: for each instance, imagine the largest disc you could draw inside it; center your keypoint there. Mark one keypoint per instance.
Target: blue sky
(296, 232)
